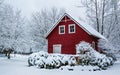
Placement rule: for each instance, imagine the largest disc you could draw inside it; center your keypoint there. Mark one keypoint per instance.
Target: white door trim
(58, 47)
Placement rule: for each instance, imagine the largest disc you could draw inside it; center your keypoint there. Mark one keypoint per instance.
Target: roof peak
(84, 26)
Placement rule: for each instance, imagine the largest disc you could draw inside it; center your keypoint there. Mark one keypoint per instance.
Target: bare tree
(104, 16)
(96, 13)
(41, 22)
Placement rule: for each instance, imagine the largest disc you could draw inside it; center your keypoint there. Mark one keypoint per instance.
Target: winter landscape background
(35, 19)
(24, 24)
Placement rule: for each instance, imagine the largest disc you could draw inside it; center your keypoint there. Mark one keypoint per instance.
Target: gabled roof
(86, 27)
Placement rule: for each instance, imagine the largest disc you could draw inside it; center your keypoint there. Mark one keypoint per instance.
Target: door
(57, 48)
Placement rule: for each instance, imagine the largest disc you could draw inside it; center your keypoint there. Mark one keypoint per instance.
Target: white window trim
(47, 45)
(64, 29)
(74, 28)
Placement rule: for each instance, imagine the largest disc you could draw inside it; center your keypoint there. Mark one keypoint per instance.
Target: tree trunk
(103, 12)
(97, 19)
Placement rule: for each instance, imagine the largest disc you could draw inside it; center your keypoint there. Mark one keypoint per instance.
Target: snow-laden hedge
(89, 56)
(50, 61)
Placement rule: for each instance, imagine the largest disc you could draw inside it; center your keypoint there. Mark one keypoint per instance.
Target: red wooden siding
(68, 40)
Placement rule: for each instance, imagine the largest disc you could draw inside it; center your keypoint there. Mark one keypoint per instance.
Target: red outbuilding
(67, 32)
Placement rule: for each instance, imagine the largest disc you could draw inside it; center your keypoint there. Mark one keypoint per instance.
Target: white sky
(29, 6)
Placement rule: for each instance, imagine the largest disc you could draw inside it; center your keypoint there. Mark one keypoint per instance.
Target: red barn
(68, 32)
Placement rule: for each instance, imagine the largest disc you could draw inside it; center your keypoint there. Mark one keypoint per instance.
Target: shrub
(50, 61)
(37, 58)
(92, 57)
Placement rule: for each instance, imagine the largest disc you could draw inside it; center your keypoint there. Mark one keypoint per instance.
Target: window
(93, 44)
(72, 28)
(62, 29)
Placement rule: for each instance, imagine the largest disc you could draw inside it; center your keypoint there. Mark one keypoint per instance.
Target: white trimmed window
(93, 44)
(62, 29)
(71, 28)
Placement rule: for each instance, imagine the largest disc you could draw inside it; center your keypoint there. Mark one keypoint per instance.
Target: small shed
(67, 32)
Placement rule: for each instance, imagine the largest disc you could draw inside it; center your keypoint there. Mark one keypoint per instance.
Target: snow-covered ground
(18, 66)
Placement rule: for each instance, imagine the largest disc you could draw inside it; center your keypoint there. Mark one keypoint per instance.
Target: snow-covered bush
(89, 56)
(37, 58)
(50, 61)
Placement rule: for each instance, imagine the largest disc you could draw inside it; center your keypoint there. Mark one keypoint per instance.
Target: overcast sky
(29, 6)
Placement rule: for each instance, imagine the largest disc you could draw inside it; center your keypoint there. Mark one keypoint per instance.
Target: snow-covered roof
(83, 25)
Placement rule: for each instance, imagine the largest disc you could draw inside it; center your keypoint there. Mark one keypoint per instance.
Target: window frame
(60, 30)
(74, 28)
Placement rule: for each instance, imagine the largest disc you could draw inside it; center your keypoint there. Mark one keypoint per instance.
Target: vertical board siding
(69, 40)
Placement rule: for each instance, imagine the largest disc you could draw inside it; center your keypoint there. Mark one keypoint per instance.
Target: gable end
(85, 29)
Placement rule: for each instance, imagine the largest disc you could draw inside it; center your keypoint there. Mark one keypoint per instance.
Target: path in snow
(19, 66)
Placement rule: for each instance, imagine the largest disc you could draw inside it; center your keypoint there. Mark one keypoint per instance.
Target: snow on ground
(18, 66)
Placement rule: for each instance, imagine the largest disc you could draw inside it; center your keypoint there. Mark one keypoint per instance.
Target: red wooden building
(67, 32)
